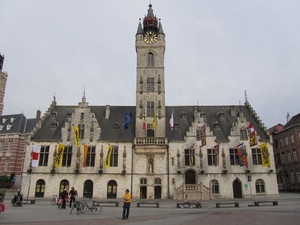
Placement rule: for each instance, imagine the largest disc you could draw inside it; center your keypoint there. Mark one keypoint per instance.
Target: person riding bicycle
(73, 194)
(17, 195)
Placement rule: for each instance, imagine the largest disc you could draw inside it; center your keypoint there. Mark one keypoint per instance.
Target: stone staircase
(195, 192)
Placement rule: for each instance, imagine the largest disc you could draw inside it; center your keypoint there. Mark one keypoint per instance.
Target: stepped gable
(109, 130)
(184, 117)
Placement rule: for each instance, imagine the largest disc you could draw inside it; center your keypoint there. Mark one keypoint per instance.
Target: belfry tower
(3, 80)
(150, 80)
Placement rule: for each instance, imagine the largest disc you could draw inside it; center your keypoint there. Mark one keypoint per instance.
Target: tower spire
(1, 62)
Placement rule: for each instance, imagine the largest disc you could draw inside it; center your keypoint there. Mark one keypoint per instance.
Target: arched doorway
(143, 192)
(40, 188)
(190, 177)
(112, 189)
(157, 188)
(237, 188)
(88, 189)
(64, 184)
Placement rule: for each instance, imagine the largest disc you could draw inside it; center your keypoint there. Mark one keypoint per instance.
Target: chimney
(288, 117)
(38, 114)
(107, 112)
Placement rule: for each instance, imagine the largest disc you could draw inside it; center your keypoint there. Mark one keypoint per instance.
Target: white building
(152, 161)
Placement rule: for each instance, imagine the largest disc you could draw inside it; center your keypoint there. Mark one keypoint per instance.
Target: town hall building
(154, 150)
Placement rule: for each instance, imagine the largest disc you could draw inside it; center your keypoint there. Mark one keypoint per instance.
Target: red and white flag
(172, 121)
(35, 155)
(252, 131)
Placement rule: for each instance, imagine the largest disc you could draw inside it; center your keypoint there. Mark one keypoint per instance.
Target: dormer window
(216, 125)
(53, 114)
(4, 120)
(221, 114)
(183, 114)
(54, 124)
(116, 125)
(8, 126)
(202, 114)
(12, 119)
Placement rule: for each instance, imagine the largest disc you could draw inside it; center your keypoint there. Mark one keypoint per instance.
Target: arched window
(215, 187)
(260, 186)
(143, 181)
(150, 59)
(298, 176)
(157, 181)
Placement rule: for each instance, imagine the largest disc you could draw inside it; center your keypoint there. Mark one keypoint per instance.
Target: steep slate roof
(211, 116)
(17, 126)
(117, 116)
(295, 120)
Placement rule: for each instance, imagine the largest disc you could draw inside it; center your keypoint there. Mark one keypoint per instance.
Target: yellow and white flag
(59, 155)
(107, 162)
(265, 155)
(154, 121)
(76, 135)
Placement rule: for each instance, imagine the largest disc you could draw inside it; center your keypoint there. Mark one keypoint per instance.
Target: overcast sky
(215, 50)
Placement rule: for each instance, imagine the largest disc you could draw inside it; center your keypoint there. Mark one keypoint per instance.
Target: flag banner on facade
(241, 151)
(127, 120)
(203, 135)
(171, 122)
(107, 162)
(76, 135)
(144, 124)
(59, 155)
(265, 155)
(35, 155)
(85, 152)
(154, 121)
(252, 135)
(192, 155)
(216, 154)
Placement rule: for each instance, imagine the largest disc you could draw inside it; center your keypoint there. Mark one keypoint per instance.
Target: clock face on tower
(150, 37)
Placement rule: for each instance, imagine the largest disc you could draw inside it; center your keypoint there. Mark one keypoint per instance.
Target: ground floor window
(260, 186)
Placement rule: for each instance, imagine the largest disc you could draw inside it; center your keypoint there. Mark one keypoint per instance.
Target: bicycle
(54, 200)
(95, 208)
(78, 204)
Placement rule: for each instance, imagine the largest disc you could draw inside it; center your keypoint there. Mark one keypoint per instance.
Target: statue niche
(150, 166)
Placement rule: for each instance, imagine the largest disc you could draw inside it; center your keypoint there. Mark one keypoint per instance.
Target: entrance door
(157, 192)
(88, 189)
(143, 192)
(64, 184)
(112, 189)
(40, 188)
(190, 177)
(237, 189)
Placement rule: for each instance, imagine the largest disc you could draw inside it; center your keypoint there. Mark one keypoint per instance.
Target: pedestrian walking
(73, 194)
(13, 181)
(126, 206)
(64, 196)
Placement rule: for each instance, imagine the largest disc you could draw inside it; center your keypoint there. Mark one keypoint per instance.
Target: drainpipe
(168, 165)
(131, 171)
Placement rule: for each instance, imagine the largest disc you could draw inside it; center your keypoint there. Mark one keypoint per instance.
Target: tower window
(150, 59)
(150, 108)
(150, 84)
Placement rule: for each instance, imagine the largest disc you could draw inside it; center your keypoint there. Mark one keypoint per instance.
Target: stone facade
(154, 162)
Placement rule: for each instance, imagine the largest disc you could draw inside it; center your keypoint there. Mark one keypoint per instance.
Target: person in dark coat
(64, 196)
